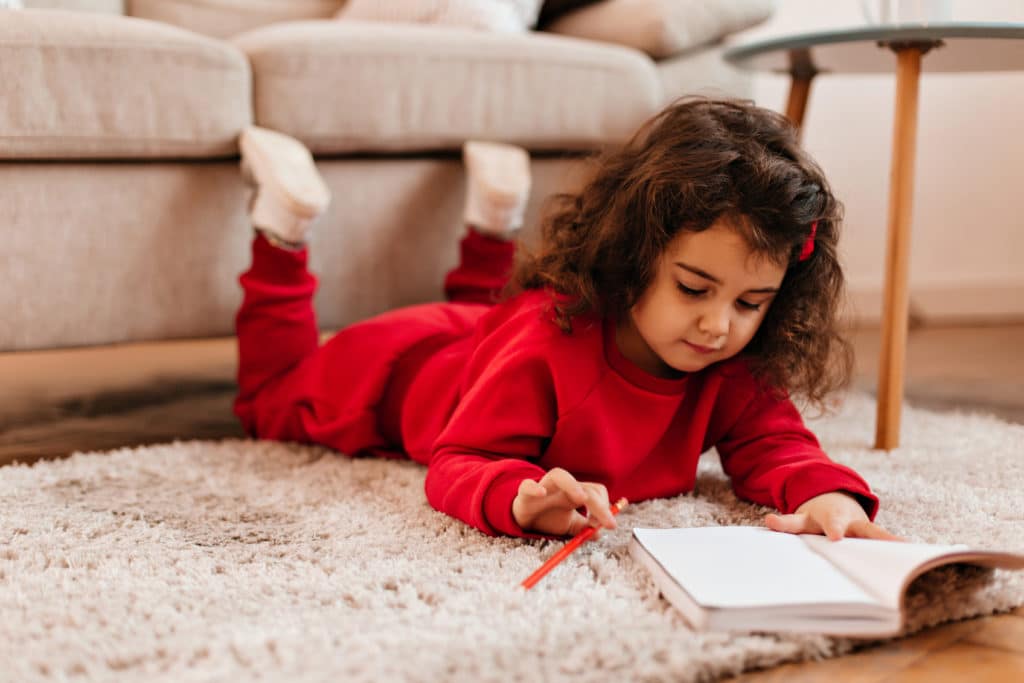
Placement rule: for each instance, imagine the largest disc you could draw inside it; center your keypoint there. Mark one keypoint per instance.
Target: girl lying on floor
(675, 303)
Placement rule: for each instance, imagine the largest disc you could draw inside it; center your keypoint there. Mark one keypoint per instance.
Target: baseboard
(973, 303)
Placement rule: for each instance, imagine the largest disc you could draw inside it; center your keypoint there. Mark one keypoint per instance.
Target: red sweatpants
(340, 394)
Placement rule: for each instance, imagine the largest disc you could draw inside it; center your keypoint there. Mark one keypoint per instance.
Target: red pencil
(567, 549)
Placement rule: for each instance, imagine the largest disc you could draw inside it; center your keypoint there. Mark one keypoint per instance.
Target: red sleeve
(505, 417)
(773, 459)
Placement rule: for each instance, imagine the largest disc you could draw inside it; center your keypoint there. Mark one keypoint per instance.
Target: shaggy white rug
(242, 560)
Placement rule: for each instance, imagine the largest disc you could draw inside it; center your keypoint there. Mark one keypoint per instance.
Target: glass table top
(958, 46)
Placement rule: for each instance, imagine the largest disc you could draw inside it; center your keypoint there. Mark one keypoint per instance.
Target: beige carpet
(240, 560)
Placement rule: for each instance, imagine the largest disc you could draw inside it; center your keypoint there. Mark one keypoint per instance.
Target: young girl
(673, 305)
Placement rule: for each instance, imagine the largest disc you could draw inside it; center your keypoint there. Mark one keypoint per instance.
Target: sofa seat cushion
(83, 85)
(350, 86)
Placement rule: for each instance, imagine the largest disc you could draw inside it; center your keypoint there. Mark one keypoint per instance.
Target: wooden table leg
(799, 91)
(897, 260)
(801, 71)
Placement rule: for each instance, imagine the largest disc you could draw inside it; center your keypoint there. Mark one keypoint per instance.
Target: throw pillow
(96, 6)
(552, 9)
(662, 28)
(507, 16)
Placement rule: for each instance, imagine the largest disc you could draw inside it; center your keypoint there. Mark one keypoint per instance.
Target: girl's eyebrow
(708, 276)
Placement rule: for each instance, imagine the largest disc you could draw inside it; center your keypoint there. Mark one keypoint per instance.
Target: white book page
(748, 567)
(881, 567)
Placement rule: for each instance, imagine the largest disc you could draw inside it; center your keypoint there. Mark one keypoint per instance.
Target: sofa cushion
(349, 86)
(662, 28)
(83, 85)
(107, 6)
(225, 18)
(485, 15)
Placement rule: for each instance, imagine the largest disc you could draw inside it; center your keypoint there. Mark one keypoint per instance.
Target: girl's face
(707, 298)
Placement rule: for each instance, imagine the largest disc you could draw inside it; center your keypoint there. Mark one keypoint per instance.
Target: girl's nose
(715, 321)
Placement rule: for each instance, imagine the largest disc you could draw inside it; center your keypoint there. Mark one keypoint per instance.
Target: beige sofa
(123, 211)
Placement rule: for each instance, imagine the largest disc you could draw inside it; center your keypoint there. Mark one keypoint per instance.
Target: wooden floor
(53, 403)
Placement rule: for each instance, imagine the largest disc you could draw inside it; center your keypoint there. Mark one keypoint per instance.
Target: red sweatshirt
(529, 398)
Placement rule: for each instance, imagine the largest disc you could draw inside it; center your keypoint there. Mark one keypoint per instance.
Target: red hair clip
(808, 249)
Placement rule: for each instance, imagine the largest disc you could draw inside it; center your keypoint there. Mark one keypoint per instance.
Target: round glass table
(903, 48)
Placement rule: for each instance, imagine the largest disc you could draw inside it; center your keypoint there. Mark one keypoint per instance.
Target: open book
(754, 579)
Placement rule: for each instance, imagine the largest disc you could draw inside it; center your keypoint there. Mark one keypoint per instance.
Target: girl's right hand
(549, 506)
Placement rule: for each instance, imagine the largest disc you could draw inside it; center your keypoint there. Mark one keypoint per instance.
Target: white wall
(967, 258)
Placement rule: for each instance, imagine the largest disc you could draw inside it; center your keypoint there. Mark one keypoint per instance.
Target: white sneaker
(497, 186)
(290, 193)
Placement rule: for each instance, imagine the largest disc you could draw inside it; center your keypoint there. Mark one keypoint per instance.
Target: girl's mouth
(698, 348)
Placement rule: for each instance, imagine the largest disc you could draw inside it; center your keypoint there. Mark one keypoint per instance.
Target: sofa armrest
(662, 28)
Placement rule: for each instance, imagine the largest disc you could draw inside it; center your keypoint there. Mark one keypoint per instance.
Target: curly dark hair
(698, 161)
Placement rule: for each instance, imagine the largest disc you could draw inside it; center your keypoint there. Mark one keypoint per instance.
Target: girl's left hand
(834, 514)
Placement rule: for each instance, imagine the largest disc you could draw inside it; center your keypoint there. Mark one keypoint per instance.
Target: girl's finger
(865, 529)
(797, 523)
(577, 524)
(834, 527)
(533, 489)
(598, 506)
(567, 484)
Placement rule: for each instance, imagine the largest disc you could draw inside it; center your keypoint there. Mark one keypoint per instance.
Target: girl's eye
(689, 291)
(746, 305)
